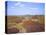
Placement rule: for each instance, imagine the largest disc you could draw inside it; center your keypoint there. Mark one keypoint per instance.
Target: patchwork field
(27, 23)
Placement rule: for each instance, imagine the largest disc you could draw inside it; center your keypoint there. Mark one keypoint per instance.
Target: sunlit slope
(25, 23)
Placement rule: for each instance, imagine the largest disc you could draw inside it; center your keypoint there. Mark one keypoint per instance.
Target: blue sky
(24, 8)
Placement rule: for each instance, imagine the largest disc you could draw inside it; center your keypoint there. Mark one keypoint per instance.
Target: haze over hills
(24, 15)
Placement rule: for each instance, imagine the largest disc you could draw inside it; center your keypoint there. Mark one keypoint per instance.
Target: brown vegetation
(34, 24)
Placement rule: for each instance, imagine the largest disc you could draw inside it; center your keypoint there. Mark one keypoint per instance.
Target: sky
(24, 8)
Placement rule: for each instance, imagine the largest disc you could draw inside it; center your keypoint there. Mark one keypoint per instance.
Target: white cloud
(18, 3)
(21, 5)
(34, 8)
(12, 7)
